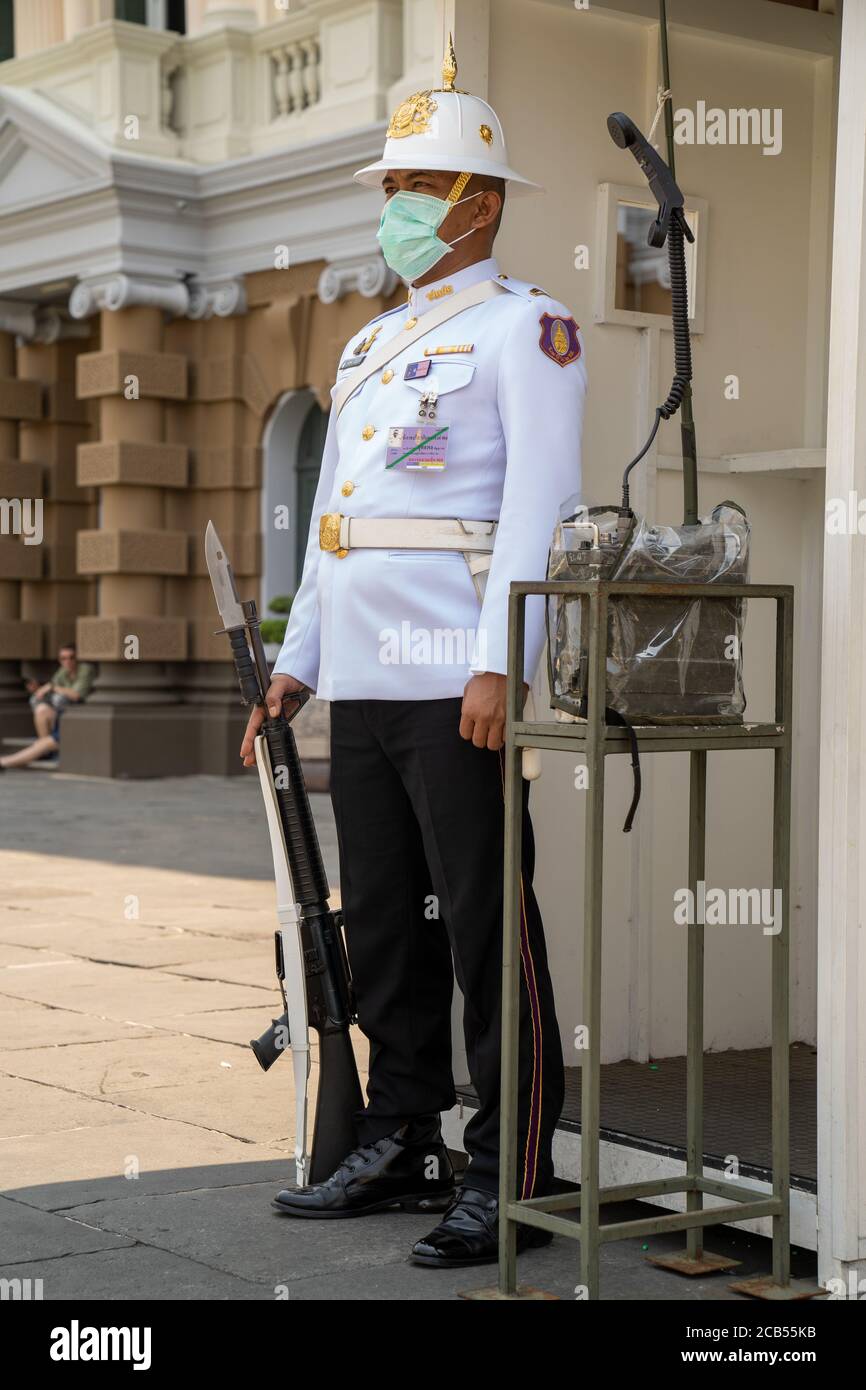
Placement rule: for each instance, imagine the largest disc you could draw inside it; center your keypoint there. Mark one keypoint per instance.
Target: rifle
(312, 966)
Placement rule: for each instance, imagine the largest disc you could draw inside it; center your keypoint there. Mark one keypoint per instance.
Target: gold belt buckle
(329, 534)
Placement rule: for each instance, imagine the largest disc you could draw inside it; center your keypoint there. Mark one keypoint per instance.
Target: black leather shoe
(393, 1172)
(469, 1234)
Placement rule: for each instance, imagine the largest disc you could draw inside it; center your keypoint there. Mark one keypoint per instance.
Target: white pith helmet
(444, 128)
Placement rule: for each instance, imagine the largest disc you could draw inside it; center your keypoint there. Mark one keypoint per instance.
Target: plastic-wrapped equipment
(669, 660)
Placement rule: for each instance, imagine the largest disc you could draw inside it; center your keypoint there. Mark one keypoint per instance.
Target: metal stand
(596, 741)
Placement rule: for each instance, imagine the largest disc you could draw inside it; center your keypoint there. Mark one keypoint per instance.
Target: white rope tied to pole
(662, 97)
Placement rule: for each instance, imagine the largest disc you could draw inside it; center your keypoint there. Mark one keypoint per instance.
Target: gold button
(387, 376)
(368, 431)
(347, 489)
(410, 323)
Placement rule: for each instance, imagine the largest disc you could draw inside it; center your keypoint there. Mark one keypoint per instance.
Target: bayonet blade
(222, 579)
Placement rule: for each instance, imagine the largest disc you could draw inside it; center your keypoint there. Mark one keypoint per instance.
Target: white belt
(474, 539)
(340, 534)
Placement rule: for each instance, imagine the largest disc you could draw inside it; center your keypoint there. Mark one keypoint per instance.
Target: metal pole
(695, 997)
(666, 83)
(590, 1090)
(511, 953)
(781, 945)
(688, 436)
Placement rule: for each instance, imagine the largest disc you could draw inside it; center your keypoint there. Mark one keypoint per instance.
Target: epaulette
(523, 288)
(364, 330)
(560, 333)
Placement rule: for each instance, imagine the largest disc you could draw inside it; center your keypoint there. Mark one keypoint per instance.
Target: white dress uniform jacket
(407, 624)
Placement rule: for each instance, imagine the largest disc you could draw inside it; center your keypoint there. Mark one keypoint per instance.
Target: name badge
(417, 447)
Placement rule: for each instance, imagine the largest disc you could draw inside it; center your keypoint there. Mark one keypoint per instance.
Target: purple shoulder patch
(559, 340)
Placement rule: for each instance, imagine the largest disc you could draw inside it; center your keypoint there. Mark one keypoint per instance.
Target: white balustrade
(231, 87)
(294, 72)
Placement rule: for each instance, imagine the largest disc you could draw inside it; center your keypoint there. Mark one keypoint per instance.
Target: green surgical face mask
(407, 232)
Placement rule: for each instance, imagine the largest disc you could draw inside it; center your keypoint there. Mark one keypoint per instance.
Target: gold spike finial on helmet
(449, 66)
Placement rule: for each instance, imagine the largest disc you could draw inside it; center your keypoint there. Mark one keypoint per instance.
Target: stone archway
(282, 547)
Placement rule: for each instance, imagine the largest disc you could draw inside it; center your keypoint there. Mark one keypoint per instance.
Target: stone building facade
(187, 255)
(137, 435)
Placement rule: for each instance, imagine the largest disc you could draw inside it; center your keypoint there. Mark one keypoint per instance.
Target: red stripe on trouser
(534, 1129)
(533, 1132)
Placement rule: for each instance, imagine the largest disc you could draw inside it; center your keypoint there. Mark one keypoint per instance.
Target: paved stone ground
(140, 1143)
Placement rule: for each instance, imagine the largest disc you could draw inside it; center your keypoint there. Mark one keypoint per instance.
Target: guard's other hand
(482, 715)
(281, 688)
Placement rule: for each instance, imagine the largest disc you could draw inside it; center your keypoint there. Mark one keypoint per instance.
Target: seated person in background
(70, 685)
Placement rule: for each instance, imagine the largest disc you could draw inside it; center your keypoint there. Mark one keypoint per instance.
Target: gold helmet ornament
(444, 128)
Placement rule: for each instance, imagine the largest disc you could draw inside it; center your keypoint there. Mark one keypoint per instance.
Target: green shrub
(273, 629)
(281, 604)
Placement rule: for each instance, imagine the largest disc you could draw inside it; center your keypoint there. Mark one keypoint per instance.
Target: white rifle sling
(288, 916)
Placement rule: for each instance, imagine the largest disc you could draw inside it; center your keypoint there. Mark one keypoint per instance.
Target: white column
(195, 15)
(842, 803)
(426, 26)
(82, 14)
(202, 15)
(420, 44)
(38, 25)
(469, 22)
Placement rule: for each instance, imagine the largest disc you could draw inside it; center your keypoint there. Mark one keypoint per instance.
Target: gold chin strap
(459, 184)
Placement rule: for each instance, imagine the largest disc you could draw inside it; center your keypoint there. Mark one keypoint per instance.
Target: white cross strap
(386, 352)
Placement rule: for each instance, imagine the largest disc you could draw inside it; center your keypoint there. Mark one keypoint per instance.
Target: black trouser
(419, 815)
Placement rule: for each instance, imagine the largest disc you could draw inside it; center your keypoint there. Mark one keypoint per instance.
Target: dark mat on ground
(647, 1102)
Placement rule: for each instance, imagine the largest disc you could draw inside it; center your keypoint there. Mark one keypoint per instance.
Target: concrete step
(11, 745)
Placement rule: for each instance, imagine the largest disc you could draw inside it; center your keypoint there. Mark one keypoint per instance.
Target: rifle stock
(334, 1129)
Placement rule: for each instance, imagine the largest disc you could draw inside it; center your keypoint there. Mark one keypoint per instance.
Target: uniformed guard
(454, 435)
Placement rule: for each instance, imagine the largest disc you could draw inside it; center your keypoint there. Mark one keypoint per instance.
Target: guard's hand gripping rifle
(311, 956)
